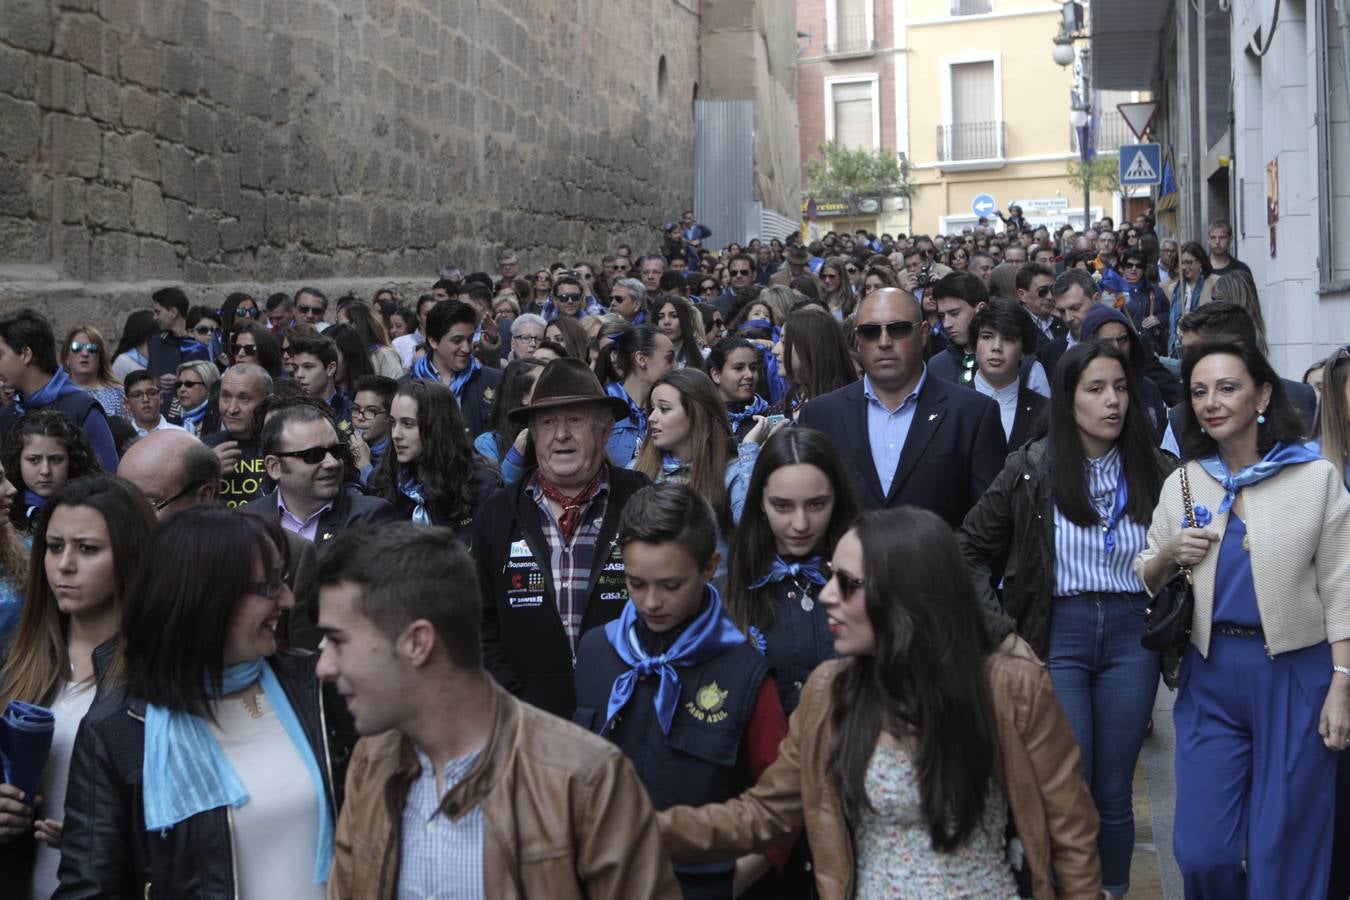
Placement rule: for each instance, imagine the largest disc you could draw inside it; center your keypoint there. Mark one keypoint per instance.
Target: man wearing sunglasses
(1033, 292)
(310, 307)
(909, 438)
(304, 456)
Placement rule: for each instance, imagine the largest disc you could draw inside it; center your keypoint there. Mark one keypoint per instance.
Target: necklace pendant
(1247, 543)
(807, 603)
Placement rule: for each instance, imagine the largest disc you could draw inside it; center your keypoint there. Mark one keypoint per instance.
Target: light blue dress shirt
(887, 430)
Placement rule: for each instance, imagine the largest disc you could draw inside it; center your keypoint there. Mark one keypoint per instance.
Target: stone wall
(248, 143)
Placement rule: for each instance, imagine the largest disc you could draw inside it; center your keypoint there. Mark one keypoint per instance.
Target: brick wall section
(230, 143)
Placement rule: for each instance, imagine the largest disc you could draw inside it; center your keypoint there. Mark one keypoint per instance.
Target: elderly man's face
(569, 443)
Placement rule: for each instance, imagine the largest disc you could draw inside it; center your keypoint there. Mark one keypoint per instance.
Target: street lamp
(1071, 31)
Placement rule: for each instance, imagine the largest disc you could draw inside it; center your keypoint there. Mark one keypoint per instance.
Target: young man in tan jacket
(460, 789)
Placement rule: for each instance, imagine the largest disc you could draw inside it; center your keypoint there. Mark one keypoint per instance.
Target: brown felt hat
(568, 382)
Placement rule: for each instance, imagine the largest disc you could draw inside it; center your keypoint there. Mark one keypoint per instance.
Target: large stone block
(182, 70)
(141, 62)
(140, 110)
(74, 144)
(109, 207)
(207, 178)
(159, 260)
(62, 87)
(148, 212)
(16, 200)
(102, 99)
(175, 219)
(68, 200)
(84, 40)
(115, 161)
(143, 155)
(18, 73)
(27, 24)
(113, 257)
(177, 171)
(201, 129)
(70, 251)
(203, 237)
(21, 131)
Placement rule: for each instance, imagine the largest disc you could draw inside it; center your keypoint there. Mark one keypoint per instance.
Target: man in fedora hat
(547, 546)
(798, 264)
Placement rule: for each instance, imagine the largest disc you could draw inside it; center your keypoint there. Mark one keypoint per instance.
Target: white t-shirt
(69, 709)
(277, 830)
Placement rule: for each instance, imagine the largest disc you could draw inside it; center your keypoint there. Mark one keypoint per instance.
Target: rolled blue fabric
(25, 742)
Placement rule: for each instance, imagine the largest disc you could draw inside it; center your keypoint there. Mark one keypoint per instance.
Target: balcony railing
(1112, 133)
(851, 34)
(970, 141)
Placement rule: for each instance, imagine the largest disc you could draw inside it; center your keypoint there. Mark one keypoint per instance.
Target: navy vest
(700, 761)
(798, 641)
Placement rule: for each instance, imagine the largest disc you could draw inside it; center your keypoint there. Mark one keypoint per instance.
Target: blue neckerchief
(1280, 455)
(615, 389)
(377, 451)
(413, 491)
(33, 503)
(755, 407)
(460, 381)
(780, 570)
(192, 418)
(671, 465)
(185, 772)
(760, 323)
(1117, 511)
(425, 370)
(709, 635)
(139, 358)
(49, 393)
(189, 348)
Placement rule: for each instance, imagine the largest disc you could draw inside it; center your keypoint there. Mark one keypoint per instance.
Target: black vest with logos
(700, 760)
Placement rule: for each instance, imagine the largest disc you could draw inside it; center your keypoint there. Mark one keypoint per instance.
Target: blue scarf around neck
(755, 407)
(192, 418)
(1280, 455)
(33, 504)
(781, 570)
(426, 370)
(413, 491)
(709, 635)
(185, 772)
(49, 393)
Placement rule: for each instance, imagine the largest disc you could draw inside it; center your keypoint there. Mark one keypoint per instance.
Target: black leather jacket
(106, 850)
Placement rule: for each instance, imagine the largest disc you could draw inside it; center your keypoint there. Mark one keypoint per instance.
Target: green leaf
(842, 173)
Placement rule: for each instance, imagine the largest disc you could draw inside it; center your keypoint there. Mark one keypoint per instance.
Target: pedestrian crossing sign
(1140, 164)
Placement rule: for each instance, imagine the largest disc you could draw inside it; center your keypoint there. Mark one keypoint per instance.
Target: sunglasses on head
(77, 347)
(898, 331)
(312, 456)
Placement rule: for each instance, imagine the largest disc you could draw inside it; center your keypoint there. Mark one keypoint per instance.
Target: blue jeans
(1106, 681)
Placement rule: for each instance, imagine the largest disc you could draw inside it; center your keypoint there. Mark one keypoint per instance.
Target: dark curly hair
(52, 424)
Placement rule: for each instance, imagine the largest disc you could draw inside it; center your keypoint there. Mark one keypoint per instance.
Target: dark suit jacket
(1030, 407)
(954, 451)
(350, 508)
(1050, 352)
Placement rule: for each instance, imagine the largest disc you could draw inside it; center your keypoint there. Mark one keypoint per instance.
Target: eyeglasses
(244, 349)
(248, 312)
(312, 456)
(528, 338)
(161, 504)
(852, 270)
(310, 310)
(1131, 264)
(848, 586)
(568, 298)
(1044, 291)
(205, 330)
(77, 347)
(622, 267)
(898, 331)
(739, 272)
(365, 413)
(719, 323)
(148, 394)
(179, 385)
(270, 589)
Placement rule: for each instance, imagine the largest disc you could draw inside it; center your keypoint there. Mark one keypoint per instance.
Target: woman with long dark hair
(215, 767)
(133, 347)
(813, 355)
(838, 287)
(13, 564)
(504, 443)
(675, 319)
(905, 758)
(1061, 526)
(88, 544)
(369, 327)
(431, 473)
(353, 358)
(41, 452)
(1263, 703)
(733, 363)
(238, 307)
(253, 342)
(801, 502)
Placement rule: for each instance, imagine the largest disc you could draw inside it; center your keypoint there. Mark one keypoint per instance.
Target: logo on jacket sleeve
(708, 702)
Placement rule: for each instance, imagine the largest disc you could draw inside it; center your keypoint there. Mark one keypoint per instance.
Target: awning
(1127, 43)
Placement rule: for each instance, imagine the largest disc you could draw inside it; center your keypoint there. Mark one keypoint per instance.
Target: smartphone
(772, 421)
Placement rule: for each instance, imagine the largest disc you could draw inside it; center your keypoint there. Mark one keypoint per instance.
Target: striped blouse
(1083, 562)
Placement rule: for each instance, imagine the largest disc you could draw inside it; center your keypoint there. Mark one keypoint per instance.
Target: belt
(1237, 631)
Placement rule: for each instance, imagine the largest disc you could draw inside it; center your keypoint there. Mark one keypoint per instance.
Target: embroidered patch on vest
(708, 702)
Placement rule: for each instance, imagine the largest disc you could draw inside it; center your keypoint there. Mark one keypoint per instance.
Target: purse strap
(1188, 519)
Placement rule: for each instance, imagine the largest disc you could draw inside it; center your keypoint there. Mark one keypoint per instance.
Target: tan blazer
(1298, 526)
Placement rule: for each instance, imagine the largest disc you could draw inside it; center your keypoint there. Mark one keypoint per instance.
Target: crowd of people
(790, 570)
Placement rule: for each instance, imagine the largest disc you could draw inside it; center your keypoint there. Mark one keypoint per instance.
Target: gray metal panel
(1127, 42)
(724, 159)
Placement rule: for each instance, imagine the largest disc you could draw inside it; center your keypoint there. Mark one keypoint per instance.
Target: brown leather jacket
(566, 814)
(1036, 760)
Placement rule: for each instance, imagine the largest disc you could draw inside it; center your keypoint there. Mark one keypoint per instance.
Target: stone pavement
(1153, 873)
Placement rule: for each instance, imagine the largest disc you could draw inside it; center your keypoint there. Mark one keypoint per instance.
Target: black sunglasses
(248, 312)
(244, 349)
(567, 298)
(182, 384)
(898, 331)
(76, 347)
(312, 456)
(847, 586)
